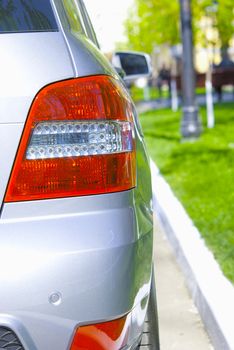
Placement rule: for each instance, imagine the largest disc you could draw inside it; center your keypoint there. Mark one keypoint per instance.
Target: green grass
(201, 174)
(200, 91)
(138, 93)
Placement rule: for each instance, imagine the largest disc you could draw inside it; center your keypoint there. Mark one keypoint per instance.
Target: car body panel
(29, 61)
(93, 259)
(87, 58)
(9, 139)
(93, 252)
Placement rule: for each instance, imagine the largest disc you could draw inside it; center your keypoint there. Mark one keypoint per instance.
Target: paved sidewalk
(180, 325)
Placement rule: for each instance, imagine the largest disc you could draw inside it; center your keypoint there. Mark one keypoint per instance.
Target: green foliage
(201, 174)
(225, 20)
(151, 23)
(154, 22)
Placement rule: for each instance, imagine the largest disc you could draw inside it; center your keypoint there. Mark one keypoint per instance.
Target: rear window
(26, 16)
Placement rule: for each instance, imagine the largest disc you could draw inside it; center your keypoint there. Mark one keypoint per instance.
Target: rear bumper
(62, 271)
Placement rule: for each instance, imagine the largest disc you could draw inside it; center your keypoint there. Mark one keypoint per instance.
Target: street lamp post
(190, 125)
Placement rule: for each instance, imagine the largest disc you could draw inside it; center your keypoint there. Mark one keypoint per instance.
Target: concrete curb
(212, 293)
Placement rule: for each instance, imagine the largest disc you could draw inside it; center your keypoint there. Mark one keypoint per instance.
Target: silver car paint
(93, 258)
(85, 55)
(29, 61)
(94, 251)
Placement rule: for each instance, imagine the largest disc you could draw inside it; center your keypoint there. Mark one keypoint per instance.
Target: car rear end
(76, 216)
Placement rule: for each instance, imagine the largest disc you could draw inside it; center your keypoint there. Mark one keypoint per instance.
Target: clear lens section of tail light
(76, 139)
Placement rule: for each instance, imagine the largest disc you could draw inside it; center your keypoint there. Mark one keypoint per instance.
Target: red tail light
(111, 335)
(78, 140)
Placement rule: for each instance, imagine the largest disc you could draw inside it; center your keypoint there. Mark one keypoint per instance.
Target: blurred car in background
(135, 65)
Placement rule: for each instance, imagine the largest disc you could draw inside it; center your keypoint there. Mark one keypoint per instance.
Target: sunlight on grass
(138, 93)
(201, 174)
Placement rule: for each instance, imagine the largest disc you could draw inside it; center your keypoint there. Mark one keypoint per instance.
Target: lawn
(138, 93)
(201, 174)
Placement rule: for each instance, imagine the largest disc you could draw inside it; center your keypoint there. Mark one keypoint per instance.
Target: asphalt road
(180, 325)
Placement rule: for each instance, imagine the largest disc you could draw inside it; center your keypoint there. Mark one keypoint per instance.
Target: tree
(225, 22)
(156, 22)
(151, 23)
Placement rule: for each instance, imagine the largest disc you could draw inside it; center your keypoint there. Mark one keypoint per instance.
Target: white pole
(146, 92)
(209, 94)
(209, 105)
(174, 96)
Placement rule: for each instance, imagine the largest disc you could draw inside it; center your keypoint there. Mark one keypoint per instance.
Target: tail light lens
(111, 335)
(78, 140)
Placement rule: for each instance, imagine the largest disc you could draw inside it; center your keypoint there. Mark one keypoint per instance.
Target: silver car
(76, 215)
